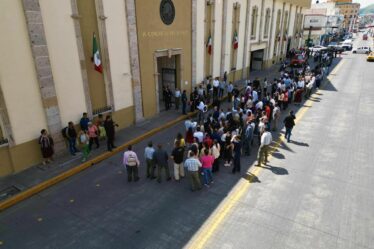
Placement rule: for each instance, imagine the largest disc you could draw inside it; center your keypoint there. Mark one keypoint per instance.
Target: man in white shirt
(199, 135)
(177, 97)
(215, 87)
(254, 96)
(301, 84)
(263, 152)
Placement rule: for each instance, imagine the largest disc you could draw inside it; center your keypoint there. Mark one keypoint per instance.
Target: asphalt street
(315, 193)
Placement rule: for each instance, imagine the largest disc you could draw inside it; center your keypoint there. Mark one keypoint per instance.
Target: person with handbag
(131, 162)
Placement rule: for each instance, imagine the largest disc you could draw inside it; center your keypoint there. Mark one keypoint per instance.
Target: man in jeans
(177, 156)
(131, 162)
(71, 135)
(289, 123)
(160, 158)
(193, 165)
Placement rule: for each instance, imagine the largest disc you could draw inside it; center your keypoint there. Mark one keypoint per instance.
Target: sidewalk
(37, 174)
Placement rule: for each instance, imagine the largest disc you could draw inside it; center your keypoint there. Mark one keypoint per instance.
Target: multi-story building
(47, 77)
(350, 12)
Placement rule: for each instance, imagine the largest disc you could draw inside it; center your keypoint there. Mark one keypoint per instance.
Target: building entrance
(168, 76)
(257, 58)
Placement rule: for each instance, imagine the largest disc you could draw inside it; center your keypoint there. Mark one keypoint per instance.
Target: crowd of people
(217, 138)
(221, 137)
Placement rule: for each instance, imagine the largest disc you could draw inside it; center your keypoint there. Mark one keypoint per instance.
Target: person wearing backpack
(131, 162)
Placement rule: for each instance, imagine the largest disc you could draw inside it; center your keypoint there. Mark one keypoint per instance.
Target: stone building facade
(47, 77)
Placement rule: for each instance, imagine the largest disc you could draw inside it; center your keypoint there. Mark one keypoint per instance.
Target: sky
(363, 3)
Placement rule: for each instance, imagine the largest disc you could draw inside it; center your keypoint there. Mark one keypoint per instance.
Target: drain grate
(8, 192)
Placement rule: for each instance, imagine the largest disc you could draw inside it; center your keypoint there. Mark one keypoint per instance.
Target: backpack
(64, 131)
(131, 160)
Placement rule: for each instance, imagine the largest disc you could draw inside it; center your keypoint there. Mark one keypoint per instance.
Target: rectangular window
(254, 22)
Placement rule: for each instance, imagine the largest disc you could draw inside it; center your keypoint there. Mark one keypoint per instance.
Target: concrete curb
(71, 172)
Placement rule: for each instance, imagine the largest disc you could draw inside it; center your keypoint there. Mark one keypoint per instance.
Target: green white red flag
(209, 44)
(96, 59)
(235, 41)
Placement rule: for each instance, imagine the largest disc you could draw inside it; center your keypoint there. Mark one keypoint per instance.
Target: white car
(361, 50)
(317, 48)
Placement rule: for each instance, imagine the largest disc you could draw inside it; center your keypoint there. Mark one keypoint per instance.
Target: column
(34, 22)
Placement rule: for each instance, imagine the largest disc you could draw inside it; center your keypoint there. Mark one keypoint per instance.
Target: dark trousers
(167, 172)
(215, 92)
(236, 167)
(229, 97)
(150, 168)
(72, 147)
(110, 142)
(94, 140)
(288, 134)
(177, 101)
(184, 106)
(132, 172)
(215, 165)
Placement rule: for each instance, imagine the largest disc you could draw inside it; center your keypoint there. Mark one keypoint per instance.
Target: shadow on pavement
(276, 170)
(299, 143)
(251, 178)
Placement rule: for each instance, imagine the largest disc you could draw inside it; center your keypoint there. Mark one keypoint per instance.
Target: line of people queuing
(221, 137)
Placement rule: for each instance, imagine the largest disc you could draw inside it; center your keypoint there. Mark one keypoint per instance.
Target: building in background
(50, 72)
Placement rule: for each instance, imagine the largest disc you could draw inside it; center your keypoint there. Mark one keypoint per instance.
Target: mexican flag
(209, 44)
(235, 42)
(96, 55)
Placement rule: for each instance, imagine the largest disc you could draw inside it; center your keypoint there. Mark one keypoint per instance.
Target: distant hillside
(367, 10)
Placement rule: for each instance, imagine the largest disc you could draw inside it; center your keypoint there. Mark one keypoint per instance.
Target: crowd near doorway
(168, 75)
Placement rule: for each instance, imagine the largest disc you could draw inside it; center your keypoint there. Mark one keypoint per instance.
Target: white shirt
(301, 84)
(259, 105)
(177, 93)
(215, 83)
(254, 96)
(189, 124)
(266, 138)
(201, 106)
(199, 136)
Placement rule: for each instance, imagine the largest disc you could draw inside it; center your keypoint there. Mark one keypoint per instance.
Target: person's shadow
(299, 143)
(276, 170)
(251, 178)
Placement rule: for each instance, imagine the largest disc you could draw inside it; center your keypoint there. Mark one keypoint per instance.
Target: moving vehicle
(370, 57)
(317, 48)
(298, 60)
(361, 50)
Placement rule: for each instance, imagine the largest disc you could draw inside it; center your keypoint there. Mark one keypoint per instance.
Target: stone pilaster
(194, 30)
(7, 128)
(223, 45)
(35, 27)
(134, 59)
(246, 41)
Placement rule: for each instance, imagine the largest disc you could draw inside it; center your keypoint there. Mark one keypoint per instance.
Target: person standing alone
(46, 146)
(289, 123)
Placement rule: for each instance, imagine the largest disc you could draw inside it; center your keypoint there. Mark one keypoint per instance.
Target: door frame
(178, 52)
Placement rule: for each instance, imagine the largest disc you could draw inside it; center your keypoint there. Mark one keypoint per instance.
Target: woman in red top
(207, 161)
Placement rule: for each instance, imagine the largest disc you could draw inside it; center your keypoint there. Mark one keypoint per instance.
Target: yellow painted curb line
(71, 172)
(200, 239)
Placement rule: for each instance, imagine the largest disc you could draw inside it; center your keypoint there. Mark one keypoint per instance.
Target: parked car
(361, 50)
(298, 60)
(370, 57)
(347, 45)
(317, 48)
